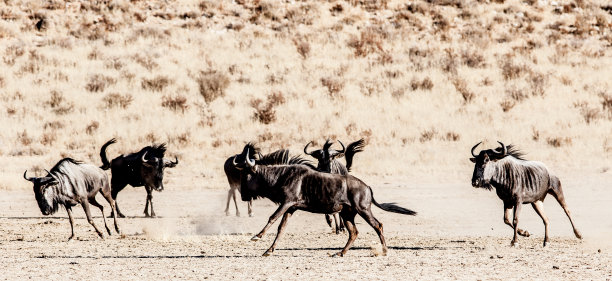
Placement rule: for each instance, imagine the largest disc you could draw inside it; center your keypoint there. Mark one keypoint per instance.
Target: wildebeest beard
(47, 202)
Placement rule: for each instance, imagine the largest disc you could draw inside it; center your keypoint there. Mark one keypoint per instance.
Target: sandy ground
(458, 234)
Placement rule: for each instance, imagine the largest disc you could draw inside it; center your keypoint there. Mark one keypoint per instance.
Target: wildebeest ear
(473, 160)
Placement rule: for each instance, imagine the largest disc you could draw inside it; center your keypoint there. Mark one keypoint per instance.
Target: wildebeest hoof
(514, 244)
(578, 235)
(545, 243)
(251, 214)
(70, 238)
(255, 238)
(337, 255)
(266, 254)
(227, 213)
(238, 214)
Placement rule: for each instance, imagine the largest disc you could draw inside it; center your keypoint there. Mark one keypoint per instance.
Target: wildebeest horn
(249, 161)
(306, 148)
(25, 177)
(474, 147)
(503, 149)
(143, 157)
(343, 148)
(234, 160)
(169, 163)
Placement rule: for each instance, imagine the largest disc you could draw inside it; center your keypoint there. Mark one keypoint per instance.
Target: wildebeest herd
(293, 183)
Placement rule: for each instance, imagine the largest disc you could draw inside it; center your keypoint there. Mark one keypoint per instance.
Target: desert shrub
(369, 41)
(606, 103)
(175, 103)
(212, 84)
(452, 136)
(24, 139)
(145, 61)
(461, 87)
(48, 138)
(473, 58)
(507, 104)
(54, 125)
(265, 111)
(155, 84)
(333, 85)
(303, 47)
(59, 104)
(449, 62)
(428, 135)
(99, 82)
(516, 94)
(511, 70)
(538, 82)
(559, 141)
(424, 84)
(117, 100)
(589, 113)
(92, 127)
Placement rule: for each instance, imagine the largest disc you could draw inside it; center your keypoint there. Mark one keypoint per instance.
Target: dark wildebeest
(327, 162)
(233, 175)
(297, 187)
(70, 183)
(517, 182)
(143, 168)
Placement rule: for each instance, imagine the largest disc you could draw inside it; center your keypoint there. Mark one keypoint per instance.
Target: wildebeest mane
(511, 150)
(157, 151)
(282, 157)
(327, 145)
(56, 168)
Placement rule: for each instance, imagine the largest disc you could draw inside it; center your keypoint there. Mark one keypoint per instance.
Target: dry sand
(458, 234)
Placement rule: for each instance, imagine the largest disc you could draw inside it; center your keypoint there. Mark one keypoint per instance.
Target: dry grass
(207, 76)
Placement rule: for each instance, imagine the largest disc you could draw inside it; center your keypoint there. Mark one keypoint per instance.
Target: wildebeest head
(153, 165)
(44, 192)
(482, 170)
(325, 155)
(247, 165)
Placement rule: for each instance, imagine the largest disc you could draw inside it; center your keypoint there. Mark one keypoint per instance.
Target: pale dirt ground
(458, 234)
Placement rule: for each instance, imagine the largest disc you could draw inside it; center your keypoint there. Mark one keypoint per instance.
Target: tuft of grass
(92, 127)
(99, 82)
(462, 88)
(117, 100)
(175, 103)
(155, 84)
(334, 86)
(212, 84)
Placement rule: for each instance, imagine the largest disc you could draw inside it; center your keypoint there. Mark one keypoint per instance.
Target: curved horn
(474, 147)
(249, 161)
(234, 160)
(504, 149)
(169, 163)
(306, 148)
(26, 177)
(343, 148)
(143, 157)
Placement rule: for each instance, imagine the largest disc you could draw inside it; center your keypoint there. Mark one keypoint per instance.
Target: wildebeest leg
(558, 194)
(339, 223)
(539, 208)
(280, 211)
(349, 220)
(93, 201)
(149, 201)
(113, 205)
(69, 211)
(328, 219)
(517, 212)
(250, 206)
(235, 203)
(89, 219)
(115, 188)
(378, 227)
(281, 229)
(230, 192)
(507, 210)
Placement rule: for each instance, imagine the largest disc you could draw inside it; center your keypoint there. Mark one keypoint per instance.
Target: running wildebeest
(327, 162)
(517, 181)
(142, 168)
(70, 183)
(297, 187)
(233, 174)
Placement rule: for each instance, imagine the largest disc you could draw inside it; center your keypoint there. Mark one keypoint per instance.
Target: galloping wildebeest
(517, 182)
(233, 175)
(297, 187)
(327, 162)
(145, 167)
(70, 183)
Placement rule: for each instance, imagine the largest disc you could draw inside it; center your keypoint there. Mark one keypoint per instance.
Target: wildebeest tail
(351, 150)
(105, 163)
(392, 207)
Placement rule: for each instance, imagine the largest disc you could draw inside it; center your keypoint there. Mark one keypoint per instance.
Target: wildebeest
(233, 174)
(298, 187)
(517, 182)
(143, 168)
(327, 162)
(70, 183)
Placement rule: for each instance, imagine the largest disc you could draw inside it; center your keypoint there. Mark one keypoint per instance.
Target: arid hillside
(421, 81)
